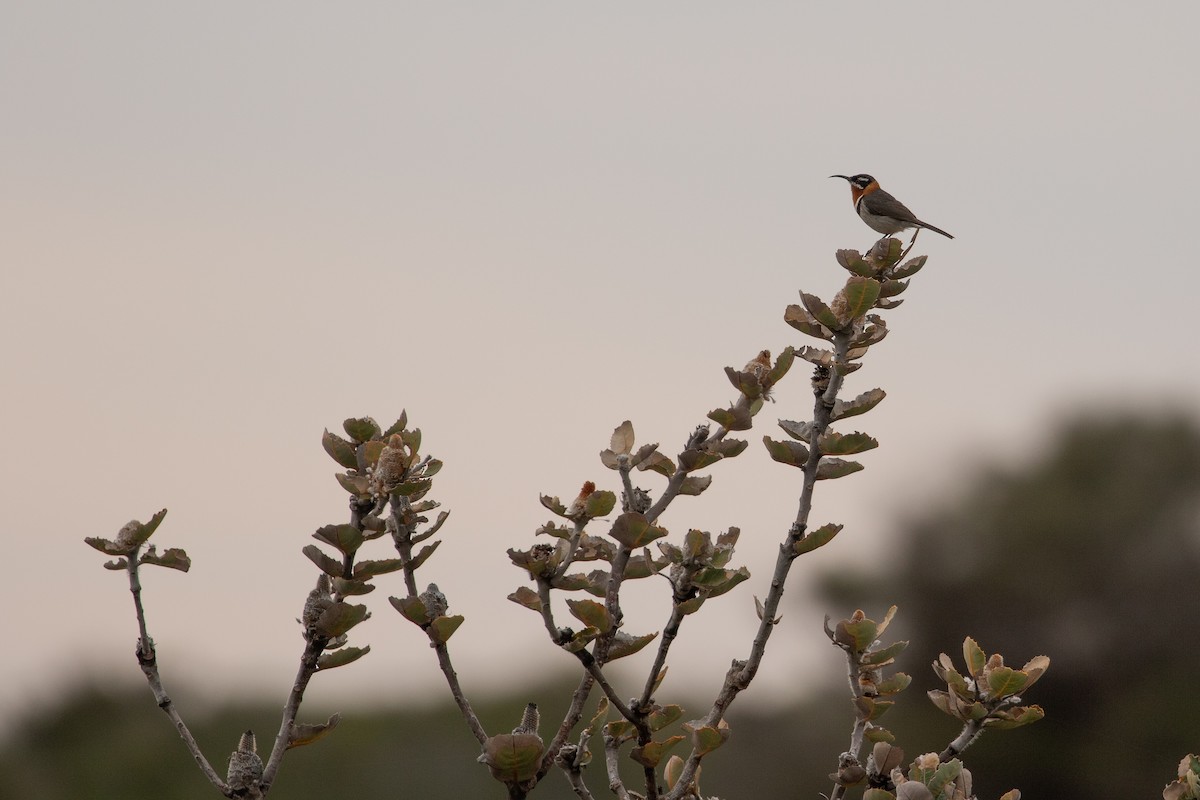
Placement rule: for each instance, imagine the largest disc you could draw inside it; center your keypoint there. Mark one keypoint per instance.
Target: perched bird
(880, 210)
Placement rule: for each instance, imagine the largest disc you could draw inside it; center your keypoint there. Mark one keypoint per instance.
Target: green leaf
(1006, 681)
(172, 558)
(369, 569)
(706, 738)
(442, 628)
(859, 405)
(514, 758)
(357, 485)
(974, 657)
(633, 530)
(942, 776)
(300, 735)
(818, 538)
(620, 731)
(339, 658)
(600, 504)
(591, 613)
(652, 752)
(107, 546)
(852, 260)
(371, 451)
(339, 450)
(800, 431)
(895, 684)
(657, 462)
(695, 484)
(524, 596)
(878, 794)
(890, 255)
(362, 429)
(339, 618)
(626, 645)
(884, 654)
(554, 504)
(783, 363)
(820, 312)
(1015, 717)
(877, 734)
(663, 716)
(861, 294)
(580, 640)
(643, 452)
(412, 439)
(692, 460)
(799, 318)
(398, 425)
(329, 566)
(717, 582)
(891, 288)
(837, 444)
(412, 608)
(345, 538)
(857, 634)
(347, 586)
(830, 468)
(423, 555)
(793, 454)
(910, 267)
(818, 356)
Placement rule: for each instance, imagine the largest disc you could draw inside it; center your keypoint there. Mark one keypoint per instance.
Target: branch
(464, 706)
(741, 673)
(852, 755)
(570, 720)
(147, 659)
(308, 667)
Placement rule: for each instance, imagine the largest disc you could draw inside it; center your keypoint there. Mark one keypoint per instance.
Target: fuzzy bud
(640, 502)
(317, 601)
(435, 602)
(245, 767)
(127, 533)
(529, 720)
(391, 467)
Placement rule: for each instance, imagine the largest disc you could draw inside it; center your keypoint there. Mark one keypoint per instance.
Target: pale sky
(225, 227)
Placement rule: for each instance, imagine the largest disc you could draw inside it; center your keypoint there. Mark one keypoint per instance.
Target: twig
(308, 668)
(669, 632)
(147, 659)
(464, 706)
(402, 534)
(741, 673)
(570, 720)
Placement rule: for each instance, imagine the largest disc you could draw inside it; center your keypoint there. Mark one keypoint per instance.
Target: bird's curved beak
(843, 177)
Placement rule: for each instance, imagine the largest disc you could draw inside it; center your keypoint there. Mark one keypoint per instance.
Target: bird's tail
(935, 230)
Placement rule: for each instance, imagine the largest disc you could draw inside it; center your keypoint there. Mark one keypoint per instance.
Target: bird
(880, 210)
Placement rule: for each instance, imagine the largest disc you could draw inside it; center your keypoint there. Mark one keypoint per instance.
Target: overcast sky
(227, 226)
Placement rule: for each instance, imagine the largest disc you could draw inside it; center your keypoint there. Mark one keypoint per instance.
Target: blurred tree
(1089, 553)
